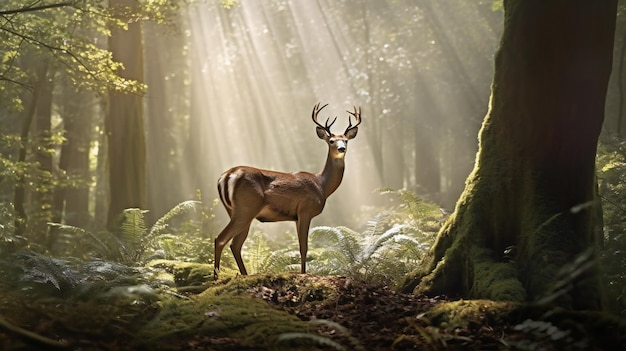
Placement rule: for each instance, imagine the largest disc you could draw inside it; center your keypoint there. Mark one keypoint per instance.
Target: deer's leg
(234, 228)
(220, 241)
(302, 226)
(235, 247)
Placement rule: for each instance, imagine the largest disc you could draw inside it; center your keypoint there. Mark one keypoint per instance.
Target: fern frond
(371, 249)
(42, 270)
(345, 240)
(132, 232)
(182, 208)
(376, 225)
(75, 241)
(280, 261)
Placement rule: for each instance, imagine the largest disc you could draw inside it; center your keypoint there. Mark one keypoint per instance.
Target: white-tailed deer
(248, 193)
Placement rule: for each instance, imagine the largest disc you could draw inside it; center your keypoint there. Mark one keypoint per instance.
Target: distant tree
(527, 210)
(124, 119)
(71, 203)
(167, 100)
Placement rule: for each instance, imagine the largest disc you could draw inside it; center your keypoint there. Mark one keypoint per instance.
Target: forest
(475, 201)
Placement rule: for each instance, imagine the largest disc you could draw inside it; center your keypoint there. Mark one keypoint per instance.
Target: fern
(380, 241)
(42, 275)
(390, 245)
(338, 249)
(565, 279)
(38, 269)
(132, 242)
(186, 245)
(132, 233)
(162, 224)
(286, 259)
(75, 241)
(256, 250)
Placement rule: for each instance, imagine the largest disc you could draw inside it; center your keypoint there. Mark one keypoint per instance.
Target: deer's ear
(321, 133)
(351, 133)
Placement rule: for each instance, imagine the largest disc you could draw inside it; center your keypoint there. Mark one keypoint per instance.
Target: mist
(236, 85)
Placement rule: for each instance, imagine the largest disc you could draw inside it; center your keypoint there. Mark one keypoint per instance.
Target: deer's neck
(331, 175)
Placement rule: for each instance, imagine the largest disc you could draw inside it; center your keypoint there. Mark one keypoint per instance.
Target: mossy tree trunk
(124, 122)
(528, 205)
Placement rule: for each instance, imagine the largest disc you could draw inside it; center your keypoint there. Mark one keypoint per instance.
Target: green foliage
(62, 43)
(107, 262)
(258, 254)
(40, 275)
(371, 255)
(228, 4)
(71, 36)
(176, 235)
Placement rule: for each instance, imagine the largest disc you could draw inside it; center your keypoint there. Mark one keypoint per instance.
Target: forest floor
(298, 312)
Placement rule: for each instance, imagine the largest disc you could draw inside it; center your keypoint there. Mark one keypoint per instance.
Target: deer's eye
(331, 141)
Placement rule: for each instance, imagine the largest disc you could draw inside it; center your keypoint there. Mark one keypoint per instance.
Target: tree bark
(527, 209)
(124, 123)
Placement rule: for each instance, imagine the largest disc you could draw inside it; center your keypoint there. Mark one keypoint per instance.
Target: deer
(270, 196)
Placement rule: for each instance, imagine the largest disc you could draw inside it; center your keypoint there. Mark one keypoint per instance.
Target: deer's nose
(341, 149)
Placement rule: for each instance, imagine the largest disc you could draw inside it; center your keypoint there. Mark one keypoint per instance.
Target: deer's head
(337, 144)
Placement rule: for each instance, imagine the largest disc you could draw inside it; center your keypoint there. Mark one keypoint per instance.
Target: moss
(449, 276)
(297, 288)
(227, 315)
(459, 313)
(185, 273)
(227, 310)
(240, 284)
(495, 280)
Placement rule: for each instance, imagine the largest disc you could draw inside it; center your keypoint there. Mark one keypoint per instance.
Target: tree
(528, 206)
(71, 202)
(124, 121)
(41, 42)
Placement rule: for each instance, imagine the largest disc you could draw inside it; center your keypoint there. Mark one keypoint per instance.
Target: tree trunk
(43, 143)
(620, 88)
(124, 123)
(71, 202)
(163, 161)
(427, 136)
(526, 211)
(32, 104)
(19, 194)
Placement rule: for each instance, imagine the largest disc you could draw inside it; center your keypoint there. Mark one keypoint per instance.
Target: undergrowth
(390, 245)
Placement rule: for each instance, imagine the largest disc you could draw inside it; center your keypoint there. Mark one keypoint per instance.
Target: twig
(34, 8)
(31, 337)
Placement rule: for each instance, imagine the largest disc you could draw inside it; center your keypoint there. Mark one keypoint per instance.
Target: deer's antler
(316, 111)
(357, 117)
